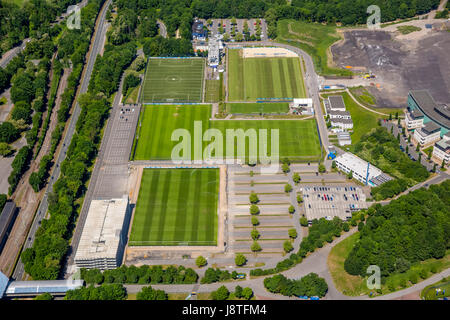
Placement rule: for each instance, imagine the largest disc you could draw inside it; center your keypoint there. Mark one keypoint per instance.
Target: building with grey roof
(433, 112)
(7, 219)
(104, 235)
(428, 134)
(336, 103)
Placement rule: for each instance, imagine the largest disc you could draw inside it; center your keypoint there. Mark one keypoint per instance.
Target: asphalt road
(40, 214)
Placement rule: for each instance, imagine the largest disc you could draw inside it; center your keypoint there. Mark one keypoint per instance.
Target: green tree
(238, 292)
(291, 209)
(350, 175)
(255, 247)
(296, 177)
(254, 209)
(6, 150)
(322, 168)
(200, 261)
(285, 167)
(292, 233)
(148, 293)
(333, 164)
(255, 234)
(255, 221)
(287, 188)
(299, 198)
(240, 260)
(253, 198)
(303, 222)
(247, 293)
(44, 296)
(287, 246)
(221, 294)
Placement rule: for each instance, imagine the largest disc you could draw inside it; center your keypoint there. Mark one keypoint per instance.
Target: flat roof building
(7, 218)
(104, 235)
(34, 288)
(361, 170)
(336, 103)
(428, 134)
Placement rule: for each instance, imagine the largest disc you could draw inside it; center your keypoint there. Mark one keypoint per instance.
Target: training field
(298, 139)
(253, 78)
(173, 80)
(252, 108)
(176, 207)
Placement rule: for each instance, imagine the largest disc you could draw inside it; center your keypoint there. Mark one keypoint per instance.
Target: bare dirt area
(400, 62)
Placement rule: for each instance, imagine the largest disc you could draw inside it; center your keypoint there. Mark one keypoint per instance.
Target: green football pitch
(250, 79)
(298, 139)
(173, 80)
(176, 207)
(251, 108)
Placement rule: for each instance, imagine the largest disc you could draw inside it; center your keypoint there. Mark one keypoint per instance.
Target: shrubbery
(310, 285)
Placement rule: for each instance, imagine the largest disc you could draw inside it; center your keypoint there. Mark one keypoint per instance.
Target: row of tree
(141, 275)
(43, 259)
(217, 275)
(412, 228)
(310, 285)
(103, 292)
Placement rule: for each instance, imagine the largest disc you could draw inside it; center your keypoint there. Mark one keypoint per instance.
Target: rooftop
(358, 165)
(37, 287)
(430, 127)
(336, 102)
(415, 113)
(428, 106)
(444, 145)
(102, 230)
(5, 217)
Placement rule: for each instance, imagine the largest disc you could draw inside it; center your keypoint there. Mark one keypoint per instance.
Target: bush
(285, 167)
(148, 293)
(255, 221)
(255, 234)
(291, 209)
(310, 285)
(299, 198)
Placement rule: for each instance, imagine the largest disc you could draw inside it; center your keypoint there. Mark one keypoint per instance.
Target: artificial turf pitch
(173, 80)
(298, 139)
(257, 108)
(176, 207)
(250, 79)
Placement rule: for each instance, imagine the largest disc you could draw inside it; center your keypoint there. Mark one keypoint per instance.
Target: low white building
(413, 119)
(339, 115)
(104, 235)
(441, 148)
(361, 170)
(342, 123)
(428, 134)
(344, 138)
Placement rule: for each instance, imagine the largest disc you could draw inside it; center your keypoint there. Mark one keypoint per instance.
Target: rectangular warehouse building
(103, 239)
(7, 218)
(361, 170)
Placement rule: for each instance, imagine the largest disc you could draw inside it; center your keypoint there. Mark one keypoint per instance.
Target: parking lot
(328, 202)
(227, 27)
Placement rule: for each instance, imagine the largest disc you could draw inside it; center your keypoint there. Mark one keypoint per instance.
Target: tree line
(310, 285)
(141, 275)
(43, 260)
(412, 228)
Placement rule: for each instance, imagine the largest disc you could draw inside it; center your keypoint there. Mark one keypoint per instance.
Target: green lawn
(363, 120)
(173, 80)
(298, 138)
(176, 207)
(250, 79)
(437, 290)
(249, 108)
(315, 39)
(408, 29)
(212, 88)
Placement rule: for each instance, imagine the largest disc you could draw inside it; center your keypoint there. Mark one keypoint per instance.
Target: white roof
(358, 165)
(102, 229)
(302, 100)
